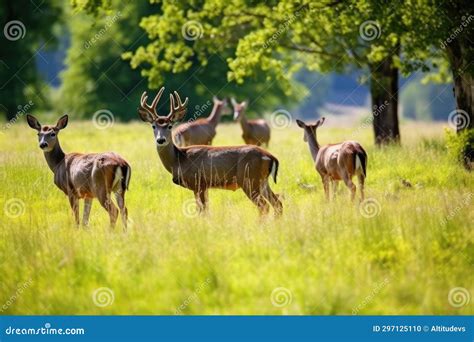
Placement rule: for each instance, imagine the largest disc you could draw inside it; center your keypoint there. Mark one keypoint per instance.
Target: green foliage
(459, 144)
(96, 77)
(407, 258)
(30, 29)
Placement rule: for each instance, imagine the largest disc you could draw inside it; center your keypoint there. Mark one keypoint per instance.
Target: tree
(278, 38)
(445, 29)
(28, 29)
(105, 80)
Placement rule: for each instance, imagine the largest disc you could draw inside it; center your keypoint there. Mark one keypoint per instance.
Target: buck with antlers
(336, 161)
(254, 132)
(201, 131)
(84, 176)
(201, 167)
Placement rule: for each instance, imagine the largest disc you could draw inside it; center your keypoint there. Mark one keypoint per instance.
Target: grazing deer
(84, 176)
(254, 132)
(201, 167)
(336, 161)
(201, 131)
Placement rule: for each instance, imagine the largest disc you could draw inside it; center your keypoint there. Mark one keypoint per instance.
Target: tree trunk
(384, 94)
(464, 95)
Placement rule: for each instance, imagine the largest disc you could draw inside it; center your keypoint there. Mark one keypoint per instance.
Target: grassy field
(410, 250)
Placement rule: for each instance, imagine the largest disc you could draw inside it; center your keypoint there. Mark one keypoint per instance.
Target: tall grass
(319, 258)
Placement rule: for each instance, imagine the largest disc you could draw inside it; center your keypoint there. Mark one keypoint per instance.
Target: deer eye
(170, 126)
(153, 126)
(53, 135)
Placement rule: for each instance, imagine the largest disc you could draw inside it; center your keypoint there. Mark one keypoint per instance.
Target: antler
(151, 109)
(177, 112)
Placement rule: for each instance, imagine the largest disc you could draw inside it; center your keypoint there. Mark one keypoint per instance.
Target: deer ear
(62, 122)
(33, 122)
(300, 123)
(144, 115)
(320, 121)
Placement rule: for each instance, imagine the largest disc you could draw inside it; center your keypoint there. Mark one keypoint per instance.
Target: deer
(84, 176)
(201, 131)
(335, 162)
(201, 167)
(254, 132)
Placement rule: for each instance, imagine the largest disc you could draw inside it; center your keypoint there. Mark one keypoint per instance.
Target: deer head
(239, 108)
(162, 125)
(47, 135)
(310, 130)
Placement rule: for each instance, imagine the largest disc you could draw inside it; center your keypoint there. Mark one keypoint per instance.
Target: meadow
(408, 250)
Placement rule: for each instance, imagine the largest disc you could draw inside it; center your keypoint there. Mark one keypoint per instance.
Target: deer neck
(54, 157)
(215, 114)
(313, 145)
(168, 155)
(243, 122)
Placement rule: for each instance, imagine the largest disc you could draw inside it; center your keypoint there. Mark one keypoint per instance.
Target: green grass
(328, 257)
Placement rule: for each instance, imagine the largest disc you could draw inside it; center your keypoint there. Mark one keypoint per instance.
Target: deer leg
(74, 202)
(87, 211)
(120, 197)
(348, 181)
(106, 202)
(326, 186)
(334, 188)
(201, 200)
(257, 198)
(361, 186)
(271, 197)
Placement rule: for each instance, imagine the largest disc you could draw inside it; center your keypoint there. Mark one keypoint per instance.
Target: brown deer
(201, 167)
(84, 176)
(201, 131)
(336, 161)
(254, 132)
